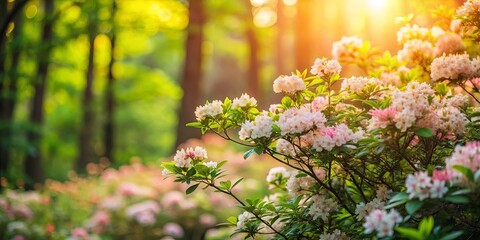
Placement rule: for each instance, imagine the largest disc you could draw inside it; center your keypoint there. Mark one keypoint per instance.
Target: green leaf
(398, 197)
(232, 220)
(452, 235)
(410, 233)
(467, 172)
(259, 150)
(461, 192)
(287, 101)
(413, 206)
(424, 132)
(191, 172)
(194, 124)
(192, 188)
(237, 182)
(276, 128)
(457, 199)
(426, 226)
(248, 153)
(202, 169)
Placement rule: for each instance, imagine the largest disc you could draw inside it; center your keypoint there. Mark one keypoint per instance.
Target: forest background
(117, 80)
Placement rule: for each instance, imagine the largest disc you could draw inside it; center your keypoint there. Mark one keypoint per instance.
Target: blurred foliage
(102, 202)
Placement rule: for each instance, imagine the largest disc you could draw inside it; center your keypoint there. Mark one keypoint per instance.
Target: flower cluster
(467, 156)
(244, 101)
(322, 67)
(183, 157)
(382, 222)
(454, 67)
(358, 84)
(261, 127)
(421, 186)
(288, 84)
(299, 120)
(321, 207)
(209, 110)
(347, 48)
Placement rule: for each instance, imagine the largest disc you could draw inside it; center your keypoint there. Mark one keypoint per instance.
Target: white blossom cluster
(244, 101)
(454, 67)
(416, 51)
(321, 207)
(335, 235)
(183, 157)
(261, 127)
(289, 84)
(212, 109)
(347, 48)
(421, 186)
(335, 136)
(467, 156)
(299, 120)
(322, 67)
(358, 84)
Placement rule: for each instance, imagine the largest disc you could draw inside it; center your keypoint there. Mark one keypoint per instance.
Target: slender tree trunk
(85, 154)
(4, 140)
(110, 99)
(9, 101)
(253, 81)
(192, 73)
(33, 162)
(303, 37)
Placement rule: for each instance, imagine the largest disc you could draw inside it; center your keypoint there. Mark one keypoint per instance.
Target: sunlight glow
(290, 2)
(264, 17)
(376, 4)
(257, 3)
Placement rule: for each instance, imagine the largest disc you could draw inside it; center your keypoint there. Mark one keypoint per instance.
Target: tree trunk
(4, 139)
(8, 102)
(85, 154)
(253, 81)
(33, 162)
(303, 37)
(109, 95)
(192, 73)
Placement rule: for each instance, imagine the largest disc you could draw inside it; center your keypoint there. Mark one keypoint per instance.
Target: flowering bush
(132, 202)
(392, 154)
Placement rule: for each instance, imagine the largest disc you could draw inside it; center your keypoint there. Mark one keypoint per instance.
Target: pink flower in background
(347, 48)
(79, 233)
(476, 82)
(133, 189)
(173, 229)
(207, 219)
(289, 84)
(99, 221)
(144, 212)
(416, 51)
(449, 44)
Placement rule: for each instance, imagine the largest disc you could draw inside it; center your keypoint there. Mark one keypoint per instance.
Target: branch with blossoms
(380, 156)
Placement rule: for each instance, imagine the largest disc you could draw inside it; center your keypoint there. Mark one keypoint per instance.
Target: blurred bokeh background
(93, 81)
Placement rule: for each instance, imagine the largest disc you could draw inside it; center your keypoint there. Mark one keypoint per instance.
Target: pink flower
(173, 229)
(382, 222)
(441, 175)
(79, 233)
(319, 103)
(323, 67)
(387, 114)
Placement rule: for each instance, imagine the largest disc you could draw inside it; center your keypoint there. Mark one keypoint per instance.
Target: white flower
(211, 164)
(209, 110)
(244, 101)
(289, 84)
(382, 222)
